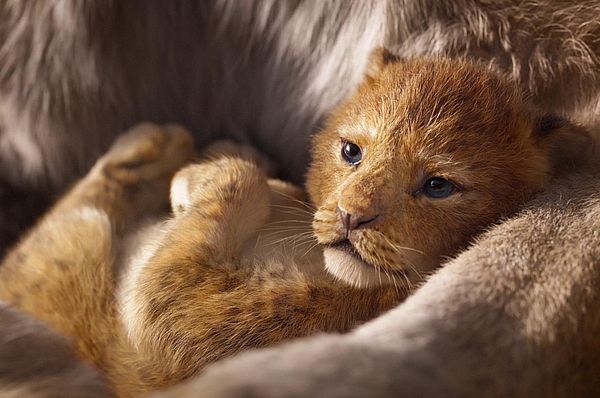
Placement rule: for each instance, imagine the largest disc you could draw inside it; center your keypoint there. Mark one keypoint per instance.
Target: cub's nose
(356, 221)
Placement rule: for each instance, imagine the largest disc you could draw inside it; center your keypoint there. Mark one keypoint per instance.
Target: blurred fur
(212, 281)
(77, 73)
(264, 72)
(37, 362)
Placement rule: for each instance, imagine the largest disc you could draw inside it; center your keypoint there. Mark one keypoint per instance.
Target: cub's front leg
(62, 272)
(218, 206)
(226, 200)
(186, 303)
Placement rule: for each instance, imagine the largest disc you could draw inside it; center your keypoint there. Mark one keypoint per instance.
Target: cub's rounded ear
(181, 198)
(378, 60)
(569, 144)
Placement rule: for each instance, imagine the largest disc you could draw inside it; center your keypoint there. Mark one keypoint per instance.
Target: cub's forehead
(437, 100)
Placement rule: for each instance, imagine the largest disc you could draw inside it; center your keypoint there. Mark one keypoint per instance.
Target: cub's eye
(351, 153)
(438, 187)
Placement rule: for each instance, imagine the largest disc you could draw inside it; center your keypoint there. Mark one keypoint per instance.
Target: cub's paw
(147, 153)
(231, 149)
(140, 165)
(226, 182)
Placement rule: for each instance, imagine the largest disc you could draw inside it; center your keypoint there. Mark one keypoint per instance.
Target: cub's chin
(344, 263)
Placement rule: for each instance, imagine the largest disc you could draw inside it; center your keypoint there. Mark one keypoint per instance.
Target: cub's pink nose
(351, 222)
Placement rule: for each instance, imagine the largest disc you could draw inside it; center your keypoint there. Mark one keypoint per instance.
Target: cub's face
(421, 158)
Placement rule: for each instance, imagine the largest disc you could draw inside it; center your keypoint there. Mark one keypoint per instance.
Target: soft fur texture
(37, 362)
(154, 305)
(531, 333)
(413, 120)
(265, 72)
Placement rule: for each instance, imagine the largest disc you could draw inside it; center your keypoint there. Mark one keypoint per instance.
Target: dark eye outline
(452, 188)
(348, 158)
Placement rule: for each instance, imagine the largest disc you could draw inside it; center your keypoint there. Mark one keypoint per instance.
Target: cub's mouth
(346, 246)
(343, 261)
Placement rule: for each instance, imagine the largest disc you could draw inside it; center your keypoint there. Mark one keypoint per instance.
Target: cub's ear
(378, 60)
(181, 198)
(569, 144)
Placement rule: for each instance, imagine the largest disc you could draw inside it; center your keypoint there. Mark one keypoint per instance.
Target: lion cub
(421, 158)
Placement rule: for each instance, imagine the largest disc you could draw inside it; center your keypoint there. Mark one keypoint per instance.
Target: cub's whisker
(300, 210)
(397, 247)
(304, 204)
(305, 222)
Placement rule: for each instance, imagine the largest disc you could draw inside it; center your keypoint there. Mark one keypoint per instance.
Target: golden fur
(204, 285)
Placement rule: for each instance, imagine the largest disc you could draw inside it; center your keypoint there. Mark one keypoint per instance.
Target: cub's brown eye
(351, 153)
(438, 187)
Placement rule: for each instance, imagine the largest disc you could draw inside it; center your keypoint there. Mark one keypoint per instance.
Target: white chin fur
(353, 270)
